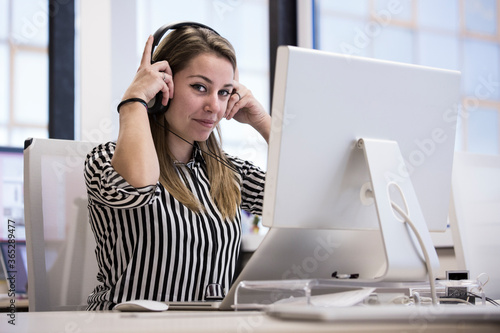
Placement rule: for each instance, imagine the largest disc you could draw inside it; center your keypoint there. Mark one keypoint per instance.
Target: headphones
(154, 106)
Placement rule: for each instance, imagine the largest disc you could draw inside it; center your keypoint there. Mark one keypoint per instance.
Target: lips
(206, 122)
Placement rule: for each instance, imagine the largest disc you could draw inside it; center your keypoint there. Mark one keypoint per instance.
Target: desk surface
(207, 321)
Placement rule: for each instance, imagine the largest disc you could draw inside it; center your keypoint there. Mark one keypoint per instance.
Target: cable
(481, 283)
(457, 300)
(212, 155)
(424, 250)
(407, 219)
(490, 300)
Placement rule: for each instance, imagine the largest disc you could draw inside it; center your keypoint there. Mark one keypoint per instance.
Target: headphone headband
(157, 107)
(158, 35)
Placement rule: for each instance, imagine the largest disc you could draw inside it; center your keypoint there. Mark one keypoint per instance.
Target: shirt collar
(197, 156)
(197, 152)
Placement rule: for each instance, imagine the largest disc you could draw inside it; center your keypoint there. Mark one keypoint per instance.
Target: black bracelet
(130, 100)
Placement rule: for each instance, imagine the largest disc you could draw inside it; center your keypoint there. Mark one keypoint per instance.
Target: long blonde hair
(179, 48)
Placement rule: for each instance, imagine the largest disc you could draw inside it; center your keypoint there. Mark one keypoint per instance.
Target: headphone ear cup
(155, 107)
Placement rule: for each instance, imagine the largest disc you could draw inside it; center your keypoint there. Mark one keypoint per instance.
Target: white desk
(220, 322)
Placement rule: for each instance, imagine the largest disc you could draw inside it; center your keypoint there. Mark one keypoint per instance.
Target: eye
(224, 93)
(199, 87)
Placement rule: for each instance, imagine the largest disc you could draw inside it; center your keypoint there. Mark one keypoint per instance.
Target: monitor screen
(14, 266)
(11, 192)
(323, 103)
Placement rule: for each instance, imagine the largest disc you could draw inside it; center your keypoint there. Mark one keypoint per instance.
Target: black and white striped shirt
(150, 246)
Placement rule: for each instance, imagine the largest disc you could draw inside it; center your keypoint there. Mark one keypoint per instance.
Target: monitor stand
(390, 181)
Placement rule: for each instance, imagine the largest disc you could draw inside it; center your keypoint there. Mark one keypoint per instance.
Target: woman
(164, 200)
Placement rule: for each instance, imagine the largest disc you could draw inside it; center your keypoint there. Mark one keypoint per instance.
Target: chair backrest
(62, 266)
(475, 217)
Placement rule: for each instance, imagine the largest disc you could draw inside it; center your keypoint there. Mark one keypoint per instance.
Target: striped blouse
(150, 246)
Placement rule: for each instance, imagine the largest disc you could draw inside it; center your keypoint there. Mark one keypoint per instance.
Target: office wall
(94, 66)
(107, 54)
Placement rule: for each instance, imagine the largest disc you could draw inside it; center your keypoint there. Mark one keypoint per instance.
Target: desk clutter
(333, 293)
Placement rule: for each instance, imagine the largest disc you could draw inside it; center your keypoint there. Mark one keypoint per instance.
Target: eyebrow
(207, 79)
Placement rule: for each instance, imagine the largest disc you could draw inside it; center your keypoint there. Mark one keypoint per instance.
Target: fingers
(240, 99)
(243, 107)
(146, 55)
(235, 97)
(166, 75)
(167, 88)
(153, 78)
(161, 66)
(232, 106)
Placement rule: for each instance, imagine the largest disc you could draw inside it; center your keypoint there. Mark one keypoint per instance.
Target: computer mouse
(141, 305)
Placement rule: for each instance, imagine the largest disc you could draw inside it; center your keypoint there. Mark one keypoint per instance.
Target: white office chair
(62, 267)
(475, 217)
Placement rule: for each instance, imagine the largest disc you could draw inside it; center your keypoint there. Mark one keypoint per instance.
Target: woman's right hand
(151, 78)
(135, 157)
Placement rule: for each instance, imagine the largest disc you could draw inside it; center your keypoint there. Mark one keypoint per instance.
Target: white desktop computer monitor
(317, 175)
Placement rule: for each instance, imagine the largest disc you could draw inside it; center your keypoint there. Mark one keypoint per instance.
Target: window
(451, 34)
(24, 67)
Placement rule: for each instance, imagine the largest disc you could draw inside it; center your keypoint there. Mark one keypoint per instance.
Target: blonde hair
(179, 48)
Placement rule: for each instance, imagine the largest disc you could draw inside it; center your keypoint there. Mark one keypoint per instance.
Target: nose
(212, 103)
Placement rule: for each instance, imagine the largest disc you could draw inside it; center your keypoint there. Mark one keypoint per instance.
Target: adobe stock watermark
(73, 161)
(249, 148)
(250, 323)
(371, 30)
(223, 7)
(325, 247)
(253, 144)
(281, 120)
(304, 269)
(38, 21)
(82, 319)
(426, 147)
(423, 316)
(11, 270)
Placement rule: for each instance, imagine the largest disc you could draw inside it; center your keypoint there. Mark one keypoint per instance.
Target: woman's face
(201, 92)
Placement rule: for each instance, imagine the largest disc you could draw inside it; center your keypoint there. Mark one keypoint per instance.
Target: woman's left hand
(244, 108)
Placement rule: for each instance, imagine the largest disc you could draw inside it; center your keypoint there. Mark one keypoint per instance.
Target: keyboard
(388, 313)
